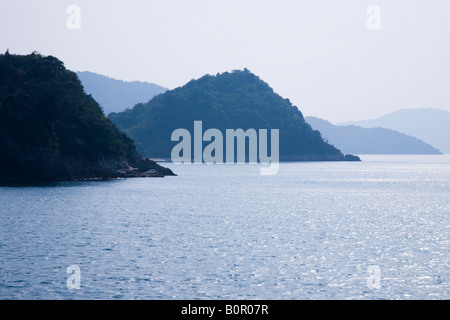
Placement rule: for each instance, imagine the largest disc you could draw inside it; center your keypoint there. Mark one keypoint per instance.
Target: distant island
(428, 124)
(117, 95)
(229, 100)
(357, 140)
(51, 130)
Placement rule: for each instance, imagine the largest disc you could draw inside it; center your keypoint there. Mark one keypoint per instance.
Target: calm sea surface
(313, 231)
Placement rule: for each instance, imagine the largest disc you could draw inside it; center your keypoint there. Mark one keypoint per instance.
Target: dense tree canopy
(46, 118)
(230, 100)
(42, 104)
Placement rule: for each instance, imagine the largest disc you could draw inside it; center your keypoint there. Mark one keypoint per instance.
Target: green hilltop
(230, 100)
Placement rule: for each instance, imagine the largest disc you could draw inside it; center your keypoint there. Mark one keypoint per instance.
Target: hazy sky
(319, 54)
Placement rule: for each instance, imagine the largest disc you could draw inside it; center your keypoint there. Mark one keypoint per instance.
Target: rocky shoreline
(43, 165)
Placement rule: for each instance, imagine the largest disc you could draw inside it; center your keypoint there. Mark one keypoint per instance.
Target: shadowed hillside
(50, 130)
(230, 100)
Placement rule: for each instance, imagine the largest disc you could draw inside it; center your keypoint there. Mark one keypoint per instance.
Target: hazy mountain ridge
(117, 95)
(229, 100)
(358, 140)
(428, 124)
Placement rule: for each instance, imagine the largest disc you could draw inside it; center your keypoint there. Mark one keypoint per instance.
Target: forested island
(228, 100)
(51, 130)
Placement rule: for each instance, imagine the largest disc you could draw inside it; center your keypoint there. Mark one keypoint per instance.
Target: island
(51, 130)
(231, 100)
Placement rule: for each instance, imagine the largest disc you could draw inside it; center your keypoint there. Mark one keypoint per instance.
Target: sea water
(376, 229)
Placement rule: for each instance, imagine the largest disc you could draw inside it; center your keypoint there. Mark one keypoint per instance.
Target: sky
(338, 60)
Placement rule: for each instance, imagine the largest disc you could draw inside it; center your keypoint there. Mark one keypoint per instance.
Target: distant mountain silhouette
(117, 95)
(51, 130)
(230, 100)
(357, 140)
(427, 124)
